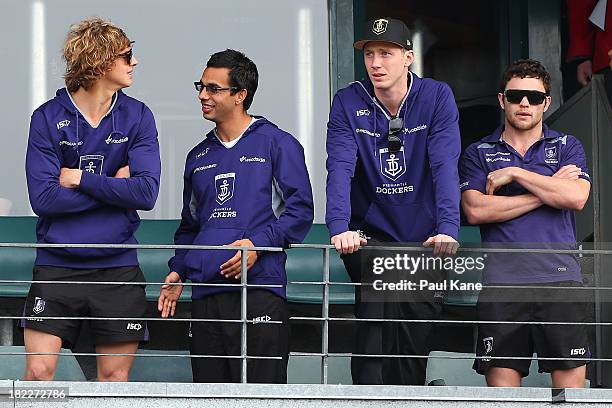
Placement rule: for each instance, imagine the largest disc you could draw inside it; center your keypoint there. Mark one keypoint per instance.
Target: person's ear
(547, 103)
(241, 96)
(409, 58)
(500, 98)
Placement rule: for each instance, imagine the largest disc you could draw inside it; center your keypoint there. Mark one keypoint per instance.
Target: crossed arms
(562, 190)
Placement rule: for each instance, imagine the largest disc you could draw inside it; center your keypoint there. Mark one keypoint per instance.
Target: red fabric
(586, 39)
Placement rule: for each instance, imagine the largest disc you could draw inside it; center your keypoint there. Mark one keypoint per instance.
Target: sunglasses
(127, 56)
(212, 89)
(395, 143)
(517, 95)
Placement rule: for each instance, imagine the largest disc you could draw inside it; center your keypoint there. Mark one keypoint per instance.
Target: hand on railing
(348, 242)
(233, 266)
(169, 294)
(444, 245)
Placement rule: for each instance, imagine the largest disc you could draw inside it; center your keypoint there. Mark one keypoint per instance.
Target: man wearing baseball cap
(393, 144)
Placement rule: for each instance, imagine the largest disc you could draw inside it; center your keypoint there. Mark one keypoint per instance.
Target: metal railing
(325, 318)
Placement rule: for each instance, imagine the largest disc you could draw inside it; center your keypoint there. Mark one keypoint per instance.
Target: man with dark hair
(393, 144)
(92, 161)
(246, 185)
(522, 184)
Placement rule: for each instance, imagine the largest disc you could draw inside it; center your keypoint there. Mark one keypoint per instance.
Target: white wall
(287, 39)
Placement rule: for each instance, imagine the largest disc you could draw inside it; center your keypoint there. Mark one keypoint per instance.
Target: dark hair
(243, 72)
(526, 68)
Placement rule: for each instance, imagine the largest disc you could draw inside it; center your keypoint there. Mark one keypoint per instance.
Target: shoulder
(277, 136)
(133, 105)
(350, 93)
(479, 148)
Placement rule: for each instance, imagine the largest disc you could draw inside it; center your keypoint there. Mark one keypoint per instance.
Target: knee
(117, 375)
(39, 371)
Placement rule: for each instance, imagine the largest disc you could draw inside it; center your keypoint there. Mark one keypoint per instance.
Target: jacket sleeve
(341, 160)
(291, 175)
(187, 230)
(443, 149)
(47, 197)
(139, 191)
(581, 30)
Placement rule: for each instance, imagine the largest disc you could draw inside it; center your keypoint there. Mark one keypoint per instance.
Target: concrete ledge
(169, 395)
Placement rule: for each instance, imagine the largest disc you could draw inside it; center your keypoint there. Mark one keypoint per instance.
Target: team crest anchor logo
(224, 186)
(488, 347)
(392, 165)
(551, 152)
(380, 26)
(39, 305)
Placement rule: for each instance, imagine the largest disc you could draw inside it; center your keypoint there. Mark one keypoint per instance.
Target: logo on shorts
(262, 319)
(224, 186)
(488, 347)
(578, 352)
(134, 326)
(39, 305)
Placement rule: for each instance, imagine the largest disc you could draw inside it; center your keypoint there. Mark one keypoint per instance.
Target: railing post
(325, 315)
(243, 313)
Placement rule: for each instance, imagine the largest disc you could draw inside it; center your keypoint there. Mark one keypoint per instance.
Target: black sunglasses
(395, 143)
(127, 56)
(212, 89)
(517, 95)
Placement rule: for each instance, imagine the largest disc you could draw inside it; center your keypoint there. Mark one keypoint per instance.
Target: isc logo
(134, 326)
(362, 112)
(577, 352)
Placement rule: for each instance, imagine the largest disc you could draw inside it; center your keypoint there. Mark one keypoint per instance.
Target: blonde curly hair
(90, 50)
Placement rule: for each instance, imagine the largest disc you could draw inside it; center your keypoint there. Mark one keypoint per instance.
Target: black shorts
(87, 300)
(522, 340)
(223, 339)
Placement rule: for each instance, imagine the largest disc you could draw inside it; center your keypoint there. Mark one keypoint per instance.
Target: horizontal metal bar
(138, 283)
(303, 354)
(465, 249)
(317, 283)
(138, 246)
(434, 357)
(355, 319)
(148, 319)
(23, 353)
(307, 246)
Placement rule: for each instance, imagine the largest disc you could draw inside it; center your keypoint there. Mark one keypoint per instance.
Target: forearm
(553, 191)
(137, 193)
(55, 200)
(485, 209)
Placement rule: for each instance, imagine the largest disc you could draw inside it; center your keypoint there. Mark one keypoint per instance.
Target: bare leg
(115, 368)
(503, 377)
(40, 367)
(569, 378)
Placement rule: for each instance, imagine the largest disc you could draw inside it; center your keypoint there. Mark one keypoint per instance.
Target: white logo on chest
(224, 187)
(392, 165)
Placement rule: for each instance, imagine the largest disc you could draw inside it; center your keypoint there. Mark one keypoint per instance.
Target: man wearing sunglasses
(246, 184)
(393, 144)
(92, 161)
(522, 184)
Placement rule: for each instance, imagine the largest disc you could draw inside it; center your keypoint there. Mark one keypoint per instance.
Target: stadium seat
(161, 369)
(307, 370)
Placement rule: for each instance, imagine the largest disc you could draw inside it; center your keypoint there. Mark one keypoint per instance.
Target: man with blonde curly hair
(92, 161)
